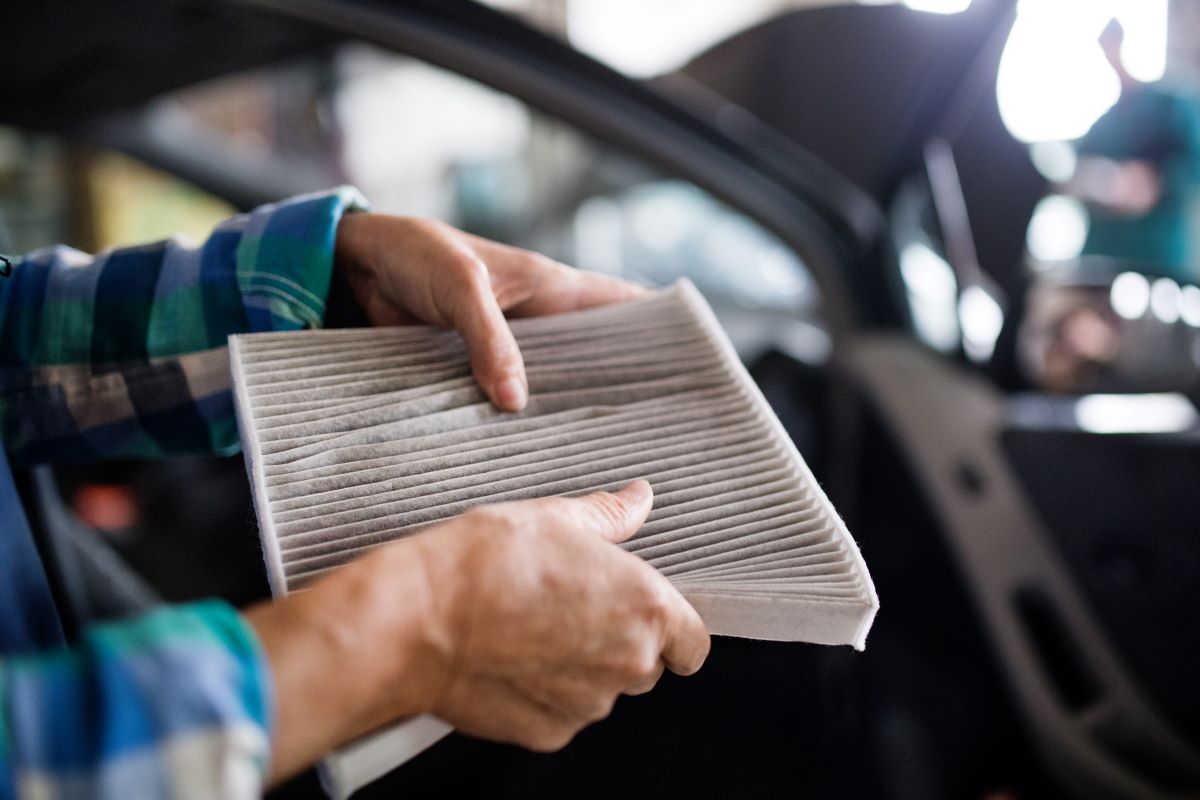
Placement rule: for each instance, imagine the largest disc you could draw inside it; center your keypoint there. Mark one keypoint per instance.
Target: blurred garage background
(948, 131)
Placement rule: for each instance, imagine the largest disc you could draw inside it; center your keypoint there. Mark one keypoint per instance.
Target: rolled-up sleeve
(176, 703)
(124, 353)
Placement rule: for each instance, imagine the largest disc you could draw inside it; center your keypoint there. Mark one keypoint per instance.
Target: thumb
(614, 515)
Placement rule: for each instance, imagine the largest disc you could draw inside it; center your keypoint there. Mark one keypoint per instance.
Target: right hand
(519, 622)
(545, 622)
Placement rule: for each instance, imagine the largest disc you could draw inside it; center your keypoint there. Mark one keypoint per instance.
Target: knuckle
(471, 284)
(471, 270)
(484, 515)
(601, 708)
(609, 508)
(500, 522)
(646, 663)
(657, 602)
(551, 738)
(640, 662)
(424, 227)
(644, 685)
(544, 263)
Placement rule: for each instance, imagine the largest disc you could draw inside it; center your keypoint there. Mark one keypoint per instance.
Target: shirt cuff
(179, 697)
(285, 259)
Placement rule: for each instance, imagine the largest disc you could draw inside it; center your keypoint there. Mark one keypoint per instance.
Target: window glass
(34, 209)
(423, 141)
(930, 285)
(54, 193)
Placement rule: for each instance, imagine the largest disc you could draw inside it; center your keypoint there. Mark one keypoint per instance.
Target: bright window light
(939, 6)
(1057, 229)
(1144, 51)
(1054, 81)
(1130, 295)
(1168, 412)
(645, 39)
(1166, 300)
(1190, 306)
(931, 292)
(660, 222)
(1055, 160)
(982, 320)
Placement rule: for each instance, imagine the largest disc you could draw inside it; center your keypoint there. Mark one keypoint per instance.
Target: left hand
(404, 270)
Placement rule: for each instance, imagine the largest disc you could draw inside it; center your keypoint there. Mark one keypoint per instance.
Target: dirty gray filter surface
(358, 437)
(354, 438)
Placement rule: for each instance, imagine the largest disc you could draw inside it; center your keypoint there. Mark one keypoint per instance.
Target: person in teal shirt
(1139, 173)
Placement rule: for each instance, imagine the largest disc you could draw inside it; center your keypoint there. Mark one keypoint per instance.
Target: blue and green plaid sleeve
(175, 703)
(124, 353)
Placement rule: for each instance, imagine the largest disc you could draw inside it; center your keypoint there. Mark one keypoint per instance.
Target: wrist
(347, 656)
(380, 634)
(404, 628)
(349, 283)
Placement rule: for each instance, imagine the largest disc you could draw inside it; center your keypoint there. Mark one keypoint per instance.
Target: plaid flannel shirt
(124, 354)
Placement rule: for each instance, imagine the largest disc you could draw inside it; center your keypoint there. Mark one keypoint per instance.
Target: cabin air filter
(354, 438)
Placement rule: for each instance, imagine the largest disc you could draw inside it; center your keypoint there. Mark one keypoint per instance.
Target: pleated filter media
(354, 438)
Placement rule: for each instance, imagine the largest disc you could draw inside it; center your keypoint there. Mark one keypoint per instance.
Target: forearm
(346, 658)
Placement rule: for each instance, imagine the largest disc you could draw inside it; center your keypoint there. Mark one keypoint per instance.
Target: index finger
(495, 357)
(554, 287)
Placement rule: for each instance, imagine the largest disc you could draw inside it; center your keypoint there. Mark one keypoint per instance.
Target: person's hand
(545, 622)
(403, 270)
(519, 622)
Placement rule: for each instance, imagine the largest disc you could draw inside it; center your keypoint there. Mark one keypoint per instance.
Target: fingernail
(640, 489)
(510, 394)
